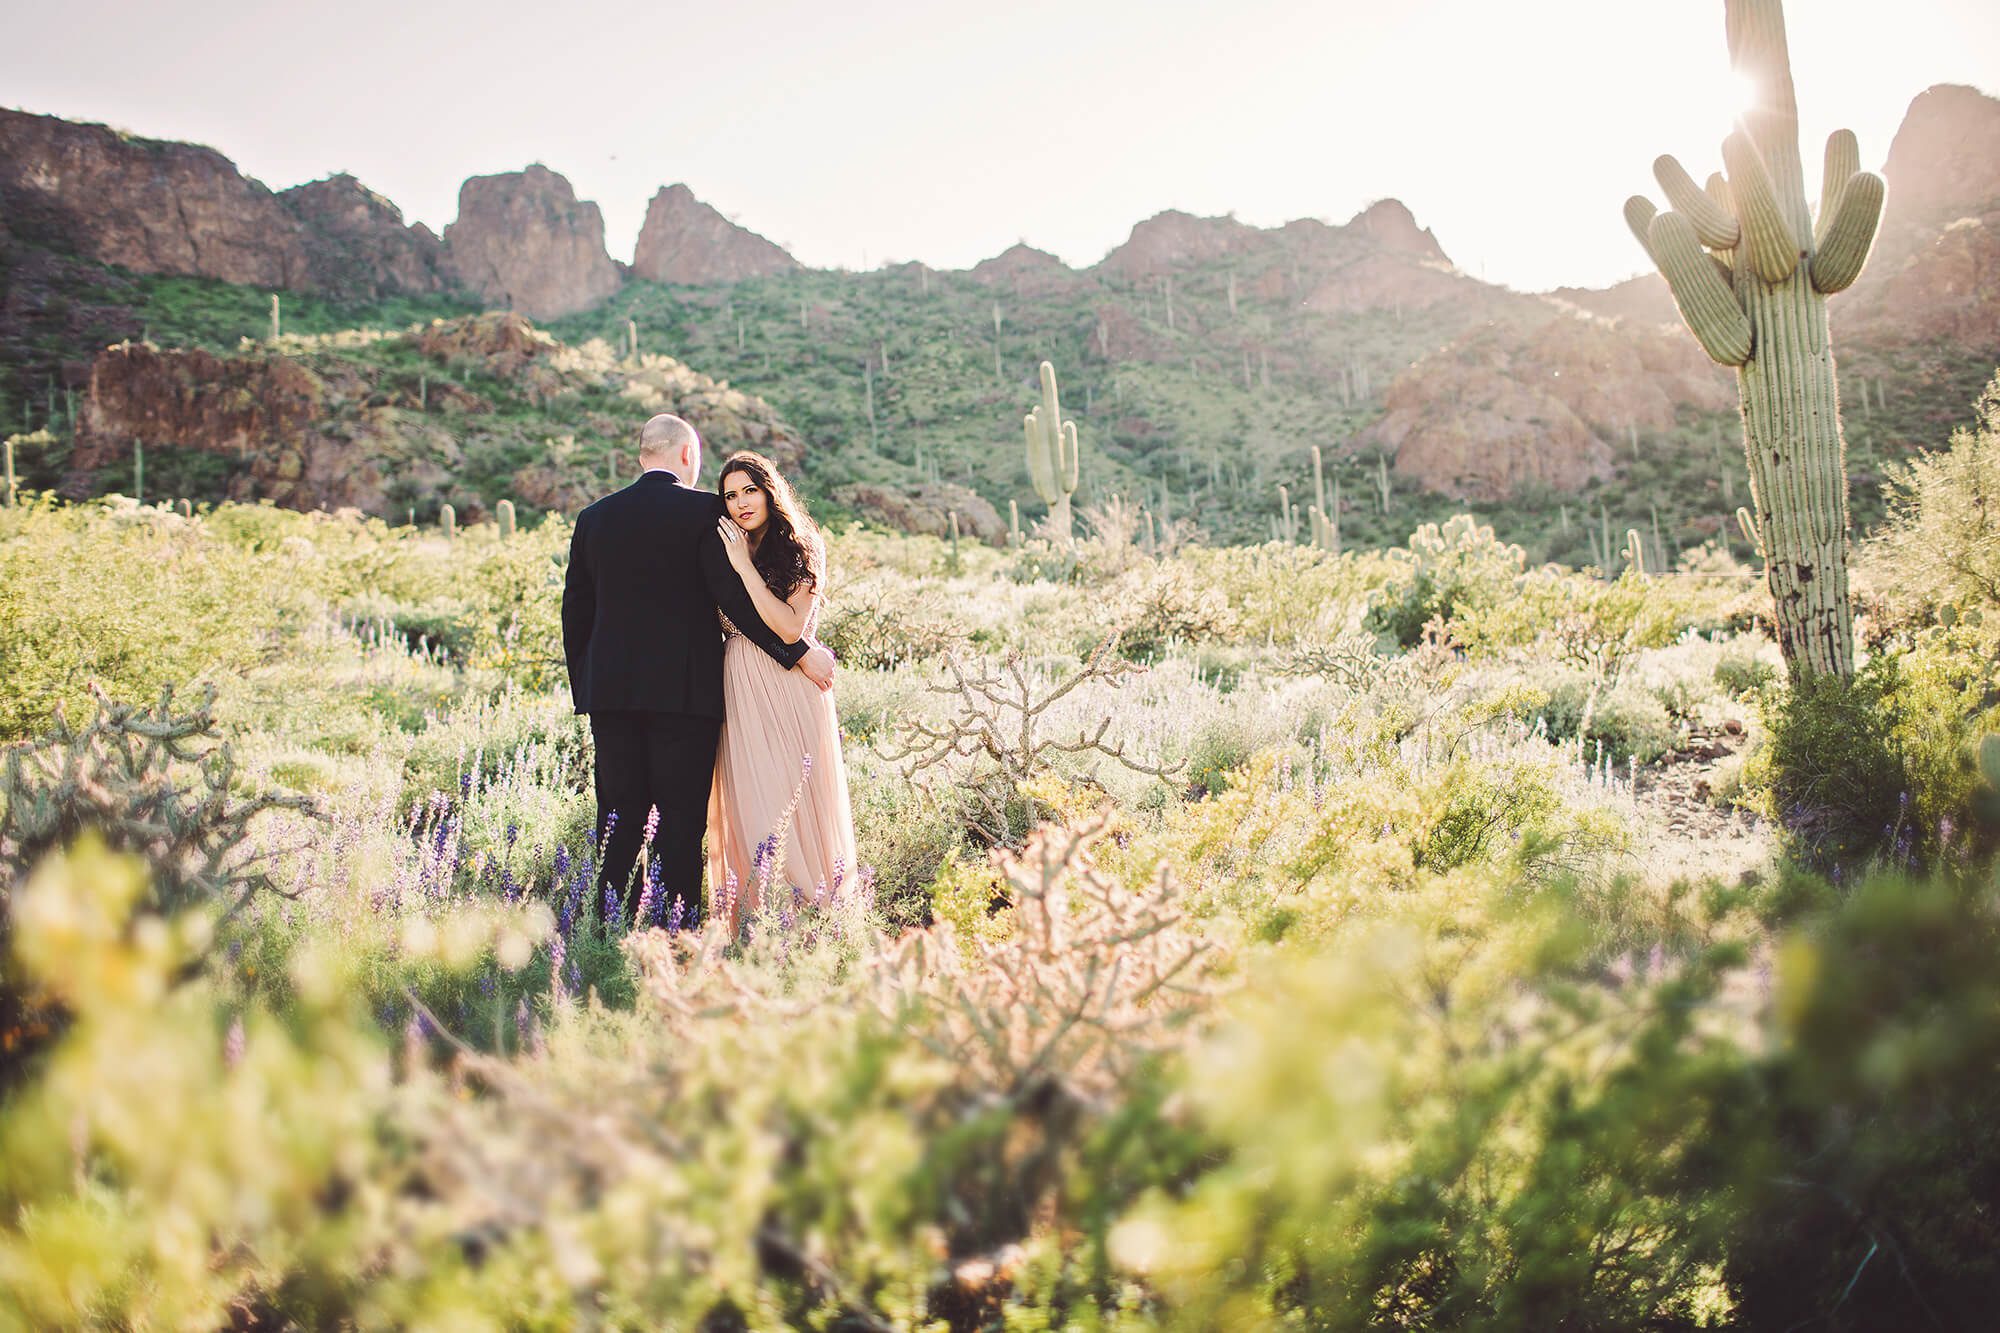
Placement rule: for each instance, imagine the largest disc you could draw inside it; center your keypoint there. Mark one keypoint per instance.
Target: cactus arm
(1066, 464)
(1716, 228)
(1706, 302)
(1717, 188)
(1041, 469)
(1639, 214)
(1768, 239)
(1849, 233)
(1843, 159)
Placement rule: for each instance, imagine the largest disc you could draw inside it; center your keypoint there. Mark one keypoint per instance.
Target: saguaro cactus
(504, 515)
(1052, 454)
(7, 495)
(1751, 271)
(448, 521)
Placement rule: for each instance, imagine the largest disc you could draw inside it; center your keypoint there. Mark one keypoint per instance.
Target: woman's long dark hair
(790, 553)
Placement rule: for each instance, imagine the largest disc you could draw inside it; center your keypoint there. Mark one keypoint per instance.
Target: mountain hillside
(1203, 358)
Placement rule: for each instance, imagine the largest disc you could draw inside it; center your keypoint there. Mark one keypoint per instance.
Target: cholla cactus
(1751, 270)
(504, 515)
(448, 521)
(1052, 454)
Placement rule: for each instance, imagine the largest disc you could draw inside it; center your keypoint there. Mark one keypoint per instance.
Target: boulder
(925, 508)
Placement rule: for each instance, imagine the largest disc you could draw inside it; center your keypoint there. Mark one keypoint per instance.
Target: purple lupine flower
(677, 915)
(233, 1044)
(612, 909)
(521, 1020)
(839, 874)
(731, 887)
(648, 894)
(652, 824)
(557, 953)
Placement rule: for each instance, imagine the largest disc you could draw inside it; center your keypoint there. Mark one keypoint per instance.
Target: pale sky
(885, 130)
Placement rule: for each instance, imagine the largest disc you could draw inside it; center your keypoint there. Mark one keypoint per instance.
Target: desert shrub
(181, 607)
(1940, 545)
(153, 782)
(877, 623)
(1500, 1133)
(1885, 768)
(1866, 1192)
(1167, 606)
(1286, 594)
(1619, 721)
(1831, 771)
(1448, 570)
(1745, 667)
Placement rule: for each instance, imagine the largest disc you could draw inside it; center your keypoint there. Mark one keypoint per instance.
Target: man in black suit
(646, 574)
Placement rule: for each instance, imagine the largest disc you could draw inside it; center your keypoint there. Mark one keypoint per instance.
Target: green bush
(1450, 570)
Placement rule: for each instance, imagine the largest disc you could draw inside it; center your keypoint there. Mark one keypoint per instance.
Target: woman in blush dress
(779, 818)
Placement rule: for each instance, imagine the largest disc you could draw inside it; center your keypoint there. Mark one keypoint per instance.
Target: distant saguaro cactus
(1013, 523)
(1755, 299)
(1052, 453)
(1635, 551)
(138, 471)
(448, 521)
(503, 514)
(1325, 520)
(186, 507)
(7, 496)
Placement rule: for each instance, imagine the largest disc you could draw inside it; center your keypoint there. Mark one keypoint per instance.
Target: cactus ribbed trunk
(1798, 470)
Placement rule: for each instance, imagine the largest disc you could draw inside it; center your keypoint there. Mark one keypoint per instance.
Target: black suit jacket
(646, 573)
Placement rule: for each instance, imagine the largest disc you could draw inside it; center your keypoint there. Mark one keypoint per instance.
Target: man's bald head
(669, 442)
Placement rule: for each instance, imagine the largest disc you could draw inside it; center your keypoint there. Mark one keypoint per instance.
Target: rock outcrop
(361, 247)
(524, 241)
(1934, 275)
(1642, 300)
(1025, 271)
(1506, 406)
(1945, 158)
(925, 509)
(146, 205)
(156, 207)
(1173, 240)
(266, 413)
(684, 240)
(1390, 224)
(322, 430)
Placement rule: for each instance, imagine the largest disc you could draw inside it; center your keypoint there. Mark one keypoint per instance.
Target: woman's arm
(787, 618)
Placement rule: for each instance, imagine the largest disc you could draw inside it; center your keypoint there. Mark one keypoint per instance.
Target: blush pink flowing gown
(779, 817)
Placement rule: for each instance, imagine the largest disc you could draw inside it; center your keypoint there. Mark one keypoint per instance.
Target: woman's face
(746, 501)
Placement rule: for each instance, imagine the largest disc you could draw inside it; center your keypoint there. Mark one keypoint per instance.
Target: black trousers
(646, 761)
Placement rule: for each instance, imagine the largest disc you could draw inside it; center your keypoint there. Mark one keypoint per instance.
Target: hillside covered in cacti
(1203, 363)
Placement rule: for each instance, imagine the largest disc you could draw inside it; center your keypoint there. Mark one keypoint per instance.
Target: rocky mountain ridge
(1361, 336)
